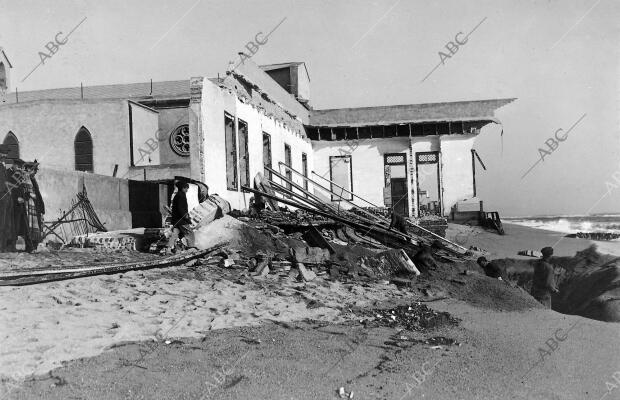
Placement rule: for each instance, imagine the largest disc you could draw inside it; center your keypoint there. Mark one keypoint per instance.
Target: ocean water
(570, 223)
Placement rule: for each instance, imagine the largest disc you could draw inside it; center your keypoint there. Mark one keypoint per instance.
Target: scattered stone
(262, 267)
(416, 317)
(306, 273)
(310, 255)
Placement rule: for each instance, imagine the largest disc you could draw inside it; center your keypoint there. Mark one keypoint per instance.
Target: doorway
(396, 194)
(429, 188)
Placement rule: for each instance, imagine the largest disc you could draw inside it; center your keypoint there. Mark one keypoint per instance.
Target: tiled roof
(166, 89)
(477, 110)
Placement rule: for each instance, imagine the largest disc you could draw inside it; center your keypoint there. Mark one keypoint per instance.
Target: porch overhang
(454, 118)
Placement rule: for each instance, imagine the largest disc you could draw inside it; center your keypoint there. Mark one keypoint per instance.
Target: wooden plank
(315, 238)
(24, 278)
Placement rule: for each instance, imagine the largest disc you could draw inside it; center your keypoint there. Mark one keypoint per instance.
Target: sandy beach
(46, 327)
(519, 237)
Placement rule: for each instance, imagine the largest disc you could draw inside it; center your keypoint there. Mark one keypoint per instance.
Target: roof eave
(405, 122)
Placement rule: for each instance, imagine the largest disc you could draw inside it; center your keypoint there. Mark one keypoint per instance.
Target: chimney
(293, 77)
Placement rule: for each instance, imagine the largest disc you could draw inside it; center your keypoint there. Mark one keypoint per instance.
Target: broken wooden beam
(315, 238)
(25, 277)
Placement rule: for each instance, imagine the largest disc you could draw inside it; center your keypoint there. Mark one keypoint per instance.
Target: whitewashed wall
(366, 165)
(217, 101)
(455, 174)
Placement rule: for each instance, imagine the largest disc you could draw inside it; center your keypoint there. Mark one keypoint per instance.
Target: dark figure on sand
(543, 282)
(424, 259)
(8, 231)
(180, 215)
(490, 268)
(398, 222)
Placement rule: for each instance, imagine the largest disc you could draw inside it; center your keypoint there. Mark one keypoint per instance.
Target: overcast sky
(559, 58)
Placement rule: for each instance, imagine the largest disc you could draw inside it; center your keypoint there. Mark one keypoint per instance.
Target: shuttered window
(288, 160)
(304, 168)
(83, 147)
(244, 154)
(267, 154)
(231, 152)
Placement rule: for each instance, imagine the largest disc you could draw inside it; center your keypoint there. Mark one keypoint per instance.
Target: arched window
(3, 82)
(83, 146)
(11, 140)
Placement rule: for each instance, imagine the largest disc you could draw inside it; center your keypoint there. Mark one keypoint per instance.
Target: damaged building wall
(46, 130)
(218, 102)
(367, 165)
(109, 195)
(456, 166)
(369, 173)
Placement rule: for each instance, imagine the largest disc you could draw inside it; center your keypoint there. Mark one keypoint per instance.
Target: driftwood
(25, 277)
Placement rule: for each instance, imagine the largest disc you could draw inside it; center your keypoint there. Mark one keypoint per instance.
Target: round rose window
(179, 140)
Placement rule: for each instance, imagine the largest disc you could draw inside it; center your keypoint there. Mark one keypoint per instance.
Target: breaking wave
(571, 224)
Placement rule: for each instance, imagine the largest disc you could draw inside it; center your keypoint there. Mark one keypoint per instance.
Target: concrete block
(306, 273)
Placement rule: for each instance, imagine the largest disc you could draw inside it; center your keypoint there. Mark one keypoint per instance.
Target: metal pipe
(323, 213)
(336, 194)
(296, 186)
(364, 211)
(340, 187)
(411, 223)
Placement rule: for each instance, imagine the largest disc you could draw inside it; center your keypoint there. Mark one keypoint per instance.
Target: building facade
(223, 131)
(417, 158)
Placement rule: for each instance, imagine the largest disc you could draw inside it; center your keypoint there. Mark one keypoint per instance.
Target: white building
(399, 155)
(222, 131)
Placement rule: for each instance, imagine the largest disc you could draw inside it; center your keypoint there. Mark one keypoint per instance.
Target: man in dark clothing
(543, 281)
(424, 259)
(21, 197)
(398, 222)
(180, 215)
(39, 204)
(490, 268)
(257, 205)
(7, 224)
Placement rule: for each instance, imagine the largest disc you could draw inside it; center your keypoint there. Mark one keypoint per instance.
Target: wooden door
(400, 203)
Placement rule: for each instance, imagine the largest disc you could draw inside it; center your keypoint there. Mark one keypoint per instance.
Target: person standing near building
(180, 215)
(7, 223)
(21, 196)
(543, 281)
(398, 222)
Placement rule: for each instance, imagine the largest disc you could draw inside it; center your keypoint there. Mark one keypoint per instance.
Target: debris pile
(414, 317)
(372, 228)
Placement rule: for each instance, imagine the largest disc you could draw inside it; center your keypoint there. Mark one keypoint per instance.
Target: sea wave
(593, 223)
